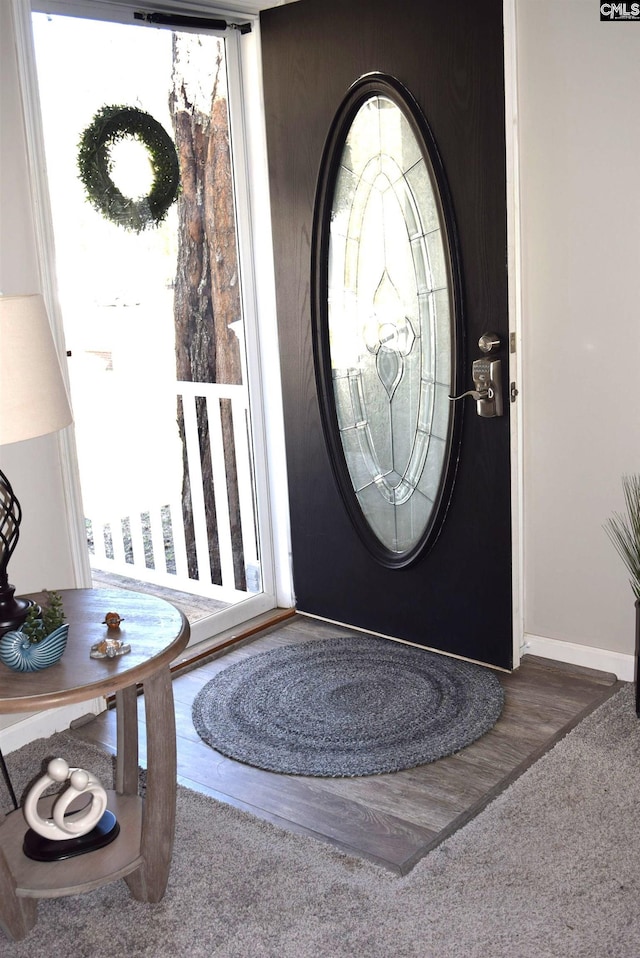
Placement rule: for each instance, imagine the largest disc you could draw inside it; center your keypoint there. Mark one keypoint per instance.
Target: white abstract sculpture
(63, 825)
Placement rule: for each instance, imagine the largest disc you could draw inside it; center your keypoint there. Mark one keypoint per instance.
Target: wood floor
(392, 819)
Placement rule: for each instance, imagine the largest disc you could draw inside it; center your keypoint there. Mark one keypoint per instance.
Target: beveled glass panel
(390, 322)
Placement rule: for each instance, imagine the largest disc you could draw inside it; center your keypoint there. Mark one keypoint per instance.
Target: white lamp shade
(33, 396)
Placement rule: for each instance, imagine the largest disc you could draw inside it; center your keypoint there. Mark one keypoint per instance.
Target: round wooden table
(141, 854)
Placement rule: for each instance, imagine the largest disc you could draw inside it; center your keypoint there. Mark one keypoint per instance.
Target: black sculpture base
(45, 850)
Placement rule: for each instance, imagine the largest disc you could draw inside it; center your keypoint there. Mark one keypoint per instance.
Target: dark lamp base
(41, 849)
(13, 611)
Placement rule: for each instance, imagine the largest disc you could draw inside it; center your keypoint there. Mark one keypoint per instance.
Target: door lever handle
(474, 393)
(487, 378)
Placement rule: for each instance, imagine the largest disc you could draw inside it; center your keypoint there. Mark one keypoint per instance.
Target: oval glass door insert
(386, 312)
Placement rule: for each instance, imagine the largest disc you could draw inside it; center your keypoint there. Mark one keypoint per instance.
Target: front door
(434, 569)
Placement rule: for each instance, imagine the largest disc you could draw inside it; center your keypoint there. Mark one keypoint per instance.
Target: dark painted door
(457, 595)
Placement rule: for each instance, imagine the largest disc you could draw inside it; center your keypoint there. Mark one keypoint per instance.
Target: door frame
(515, 321)
(254, 232)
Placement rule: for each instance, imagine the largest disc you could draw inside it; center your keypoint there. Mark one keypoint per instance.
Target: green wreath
(110, 125)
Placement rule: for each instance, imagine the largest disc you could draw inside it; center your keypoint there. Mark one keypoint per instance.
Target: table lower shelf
(83, 873)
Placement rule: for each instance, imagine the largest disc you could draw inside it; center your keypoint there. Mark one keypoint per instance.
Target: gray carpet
(346, 706)
(551, 869)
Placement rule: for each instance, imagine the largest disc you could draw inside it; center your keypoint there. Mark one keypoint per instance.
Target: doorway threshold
(196, 655)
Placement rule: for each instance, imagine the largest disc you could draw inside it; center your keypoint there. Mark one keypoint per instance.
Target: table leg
(149, 882)
(7, 779)
(127, 741)
(17, 915)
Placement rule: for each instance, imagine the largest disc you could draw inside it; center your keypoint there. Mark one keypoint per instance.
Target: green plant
(624, 530)
(41, 622)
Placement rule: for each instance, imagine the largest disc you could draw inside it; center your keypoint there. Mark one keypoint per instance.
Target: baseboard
(592, 658)
(43, 724)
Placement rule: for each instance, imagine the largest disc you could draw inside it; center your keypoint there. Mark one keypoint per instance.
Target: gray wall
(580, 143)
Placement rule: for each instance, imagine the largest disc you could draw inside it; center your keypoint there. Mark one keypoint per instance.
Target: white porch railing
(149, 544)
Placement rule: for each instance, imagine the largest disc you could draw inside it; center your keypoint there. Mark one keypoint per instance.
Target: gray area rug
(346, 706)
(551, 869)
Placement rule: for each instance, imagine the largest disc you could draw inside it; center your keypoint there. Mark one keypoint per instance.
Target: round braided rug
(346, 706)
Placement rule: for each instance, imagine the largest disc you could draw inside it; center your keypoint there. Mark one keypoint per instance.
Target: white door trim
(515, 321)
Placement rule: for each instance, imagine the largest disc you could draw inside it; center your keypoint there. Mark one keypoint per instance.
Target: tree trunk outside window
(207, 289)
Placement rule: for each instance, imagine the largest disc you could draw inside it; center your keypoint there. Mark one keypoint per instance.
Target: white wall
(580, 143)
(42, 558)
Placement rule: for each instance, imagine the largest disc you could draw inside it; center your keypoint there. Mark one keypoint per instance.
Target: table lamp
(33, 402)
